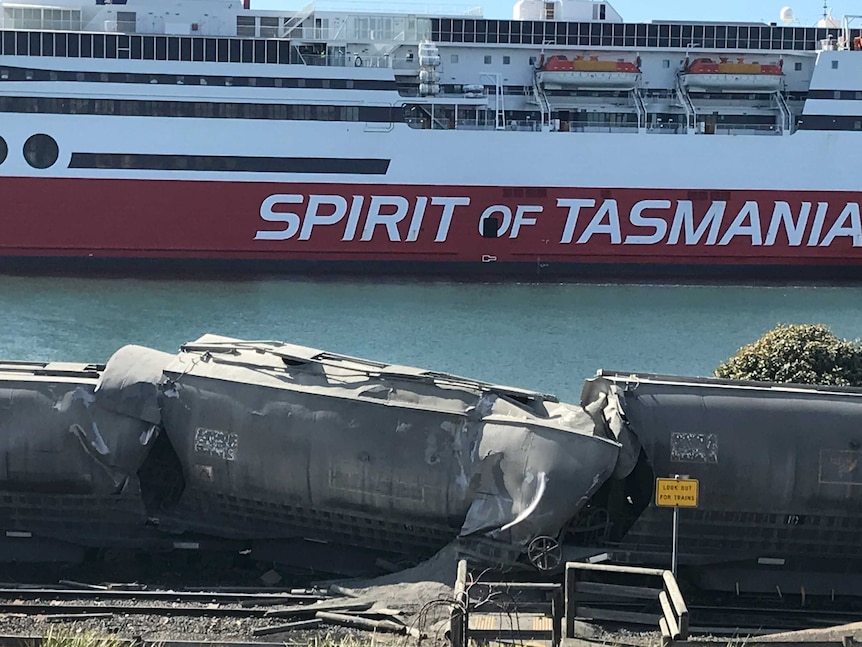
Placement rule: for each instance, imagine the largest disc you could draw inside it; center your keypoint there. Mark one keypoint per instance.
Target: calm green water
(547, 337)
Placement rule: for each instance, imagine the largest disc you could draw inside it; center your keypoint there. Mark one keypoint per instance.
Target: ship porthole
(4, 150)
(41, 151)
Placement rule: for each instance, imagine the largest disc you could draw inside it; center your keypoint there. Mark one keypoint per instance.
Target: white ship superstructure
(564, 140)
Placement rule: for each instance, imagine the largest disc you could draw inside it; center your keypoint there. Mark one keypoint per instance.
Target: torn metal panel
(54, 436)
(129, 383)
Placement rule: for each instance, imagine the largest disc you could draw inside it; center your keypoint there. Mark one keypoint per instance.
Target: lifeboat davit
(705, 75)
(558, 73)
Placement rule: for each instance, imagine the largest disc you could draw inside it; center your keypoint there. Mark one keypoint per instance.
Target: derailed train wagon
(331, 462)
(780, 481)
(291, 453)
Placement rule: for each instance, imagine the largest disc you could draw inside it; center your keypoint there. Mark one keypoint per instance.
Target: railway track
(236, 617)
(257, 612)
(726, 619)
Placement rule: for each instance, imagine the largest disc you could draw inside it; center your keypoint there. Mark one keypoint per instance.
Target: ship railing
(687, 105)
(848, 34)
(785, 112)
(748, 129)
(363, 60)
(296, 20)
(353, 60)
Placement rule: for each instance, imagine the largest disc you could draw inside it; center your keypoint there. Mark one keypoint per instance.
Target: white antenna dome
(786, 15)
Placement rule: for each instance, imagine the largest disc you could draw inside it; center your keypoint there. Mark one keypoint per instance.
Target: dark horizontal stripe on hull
(30, 74)
(397, 270)
(200, 109)
(150, 162)
(842, 95)
(830, 122)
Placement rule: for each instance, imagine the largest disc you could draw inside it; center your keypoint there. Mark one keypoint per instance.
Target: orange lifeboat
(707, 75)
(558, 72)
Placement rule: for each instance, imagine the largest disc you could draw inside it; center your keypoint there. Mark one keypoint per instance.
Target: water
(546, 337)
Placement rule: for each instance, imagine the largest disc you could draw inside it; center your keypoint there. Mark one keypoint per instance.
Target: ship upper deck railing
(533, 125)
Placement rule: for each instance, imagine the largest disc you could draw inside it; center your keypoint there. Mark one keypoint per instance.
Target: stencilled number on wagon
(221, 444)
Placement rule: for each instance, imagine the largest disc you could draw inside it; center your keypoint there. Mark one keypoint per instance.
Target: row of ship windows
(850, 95)
(379, 114)
(457, 30)
(149, 48)
(24, 74)
(199, 109)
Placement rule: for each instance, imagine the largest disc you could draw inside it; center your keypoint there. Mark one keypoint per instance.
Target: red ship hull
(486, 229)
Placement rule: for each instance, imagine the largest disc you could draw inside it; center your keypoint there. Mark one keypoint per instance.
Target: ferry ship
(563, 142)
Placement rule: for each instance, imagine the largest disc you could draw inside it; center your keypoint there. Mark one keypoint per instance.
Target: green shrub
(798, 354)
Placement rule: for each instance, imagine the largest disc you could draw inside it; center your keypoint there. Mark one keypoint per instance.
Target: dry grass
(67, 638)
(89, 638)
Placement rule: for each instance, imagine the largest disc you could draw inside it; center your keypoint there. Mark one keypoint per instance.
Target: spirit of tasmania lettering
(562, 222)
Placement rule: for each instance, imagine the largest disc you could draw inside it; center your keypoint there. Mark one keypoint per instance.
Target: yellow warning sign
(676, 493)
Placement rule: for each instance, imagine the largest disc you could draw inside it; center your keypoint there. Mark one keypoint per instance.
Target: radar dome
(787, 15)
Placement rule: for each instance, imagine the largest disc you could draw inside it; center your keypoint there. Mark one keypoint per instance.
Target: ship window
(149, 48)
(4, 150)
(453, 58)
(35, 45)
(507, 60)
(260, 51)
(161, 48)
(488, 60)
(73, 45)
(185, 49)
(60, 45)
(111, 46)
(173, 48)
(797, 66)
(247, 51)
(41, 151)
(86, 45)
(127, 21)
(665, 63)
(245, 26)
(834, 65)
(223, 50)
(123, 47)
(283, 52)
(234, 51)
(137, 43)
(268, 27)
(209, 50)
(47, 45)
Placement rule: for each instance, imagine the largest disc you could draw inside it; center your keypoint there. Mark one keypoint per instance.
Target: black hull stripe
(840, 95)
(830, 122)
(34, 74)
(226, 163)
(199, 109)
